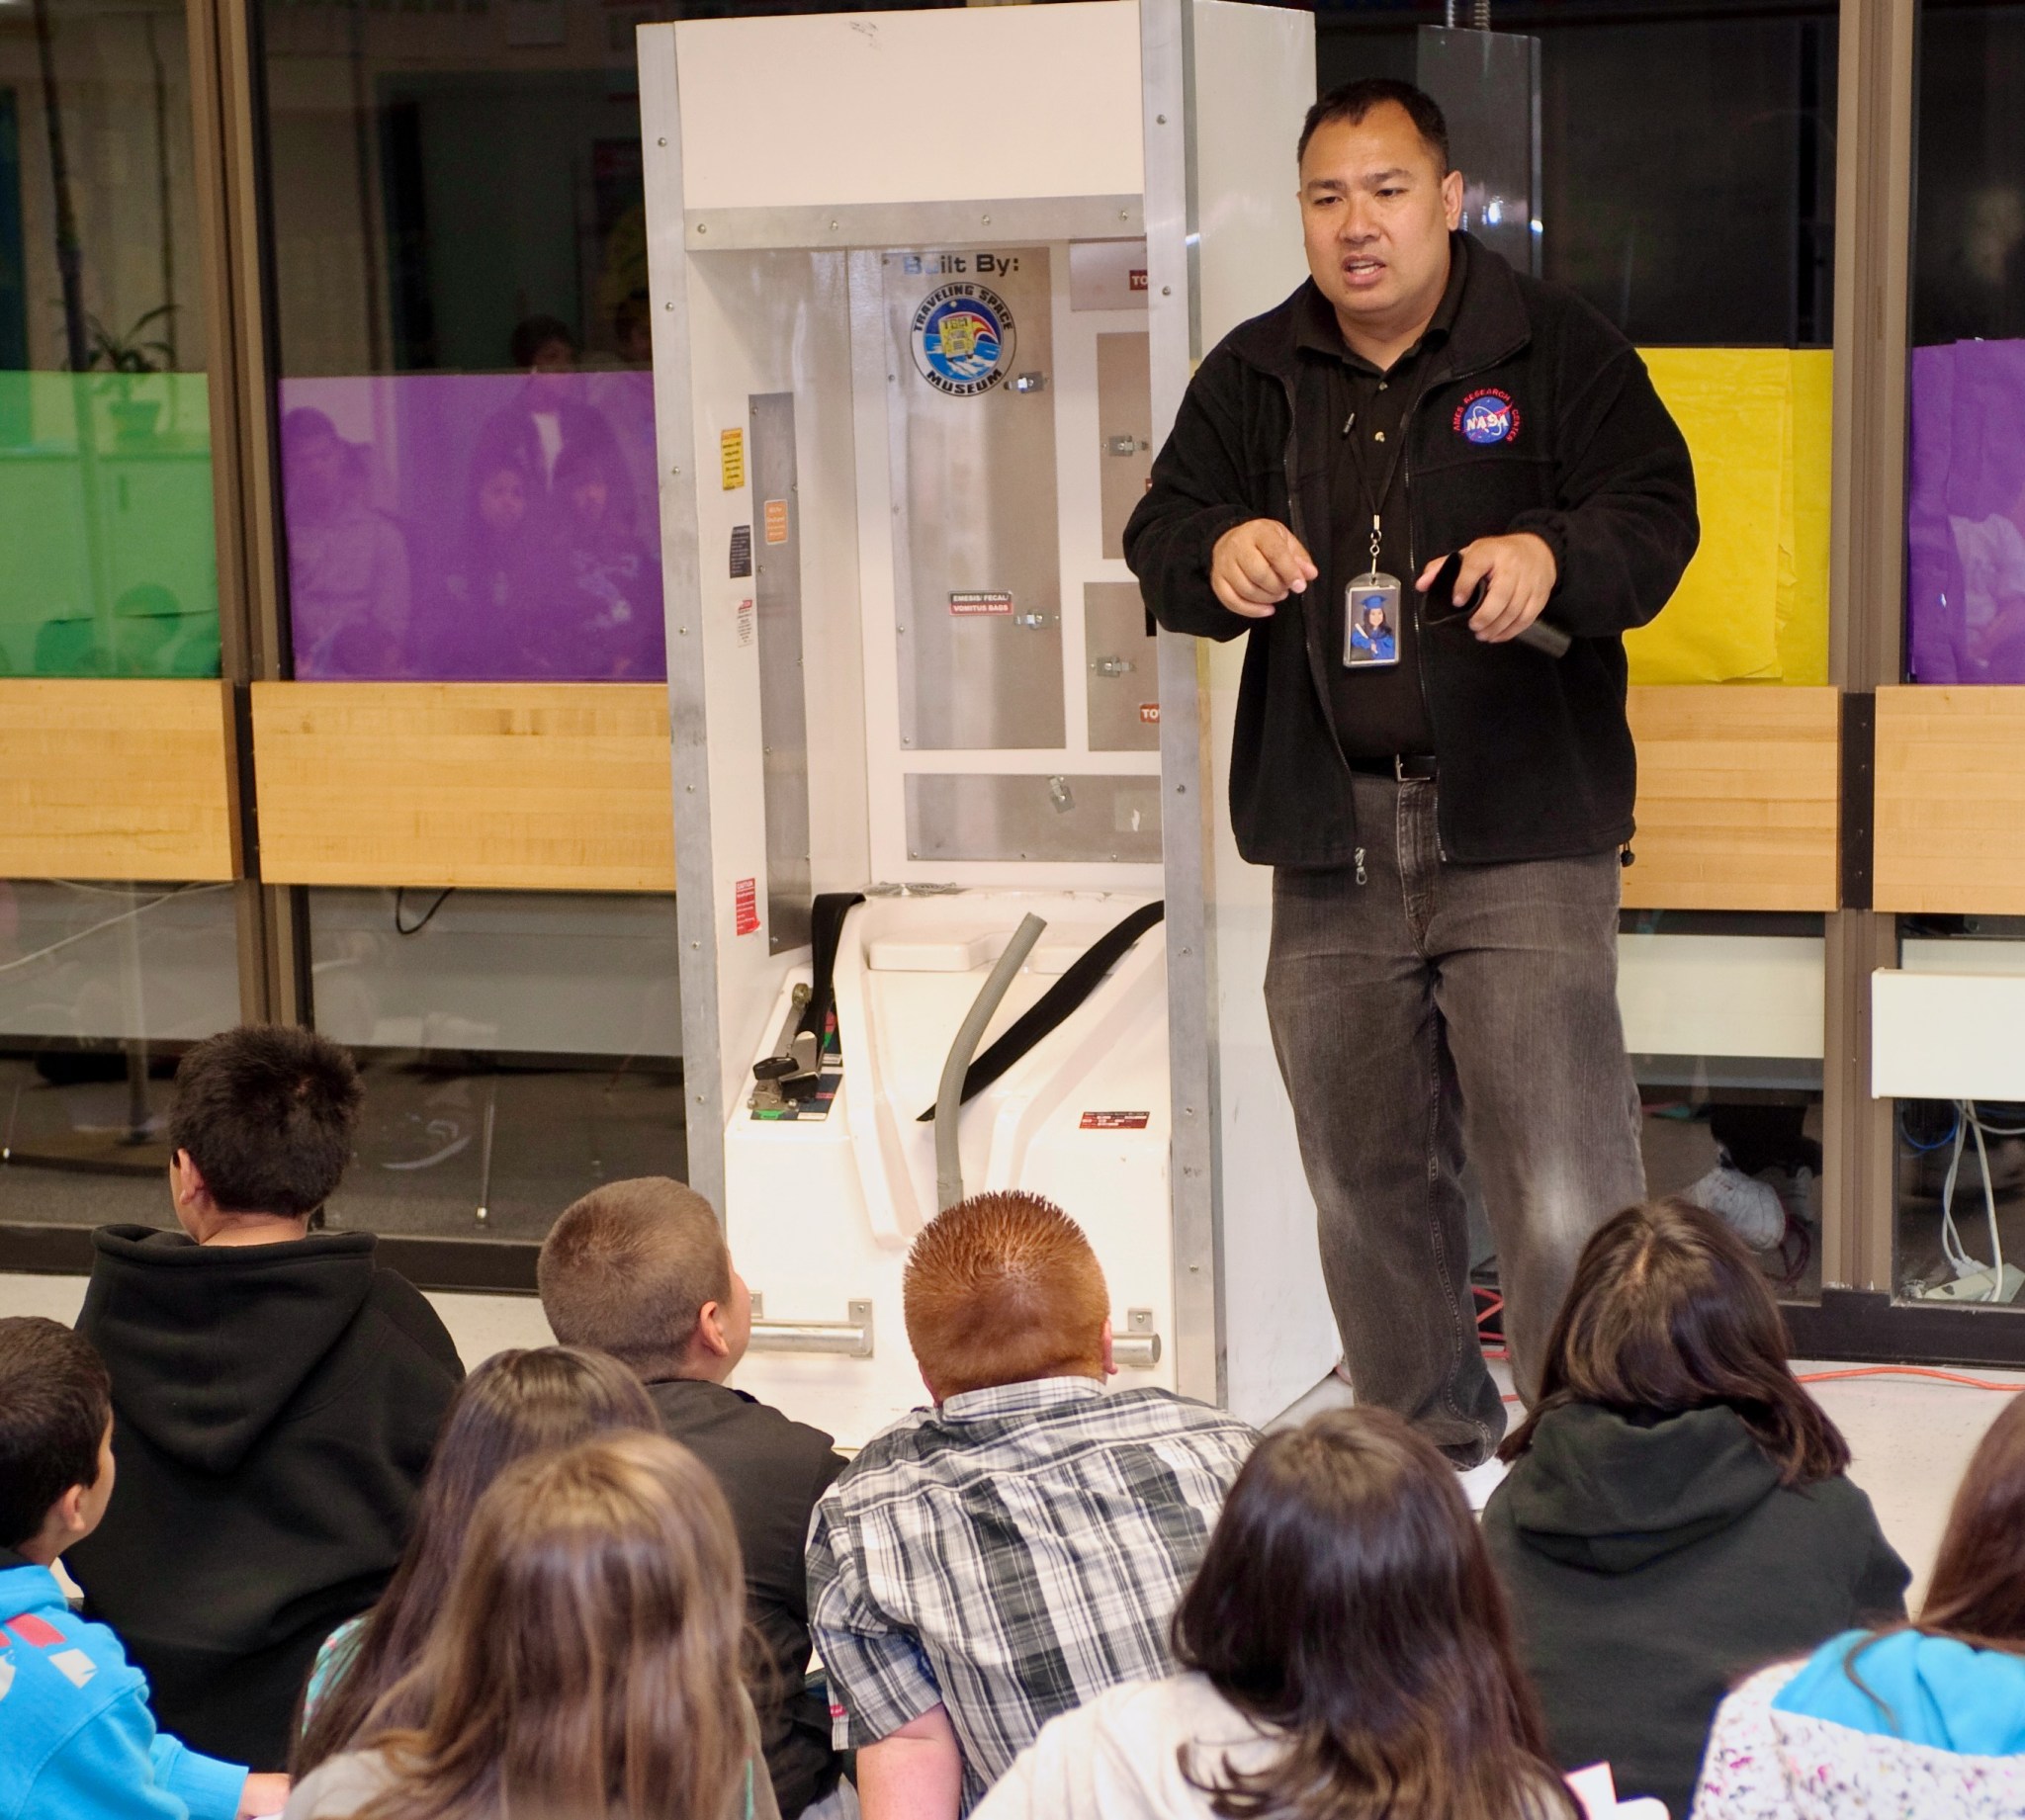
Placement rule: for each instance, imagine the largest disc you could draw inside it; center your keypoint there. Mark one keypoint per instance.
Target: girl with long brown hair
(515, 1404)
(584, 1664)
(1677, 1512)
(1347, 1655)
(1920, 1718)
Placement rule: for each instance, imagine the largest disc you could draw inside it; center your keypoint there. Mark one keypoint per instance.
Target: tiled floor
(1910, 1437)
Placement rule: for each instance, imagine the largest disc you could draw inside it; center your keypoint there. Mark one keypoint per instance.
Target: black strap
(1054, 1006)
(825, 931)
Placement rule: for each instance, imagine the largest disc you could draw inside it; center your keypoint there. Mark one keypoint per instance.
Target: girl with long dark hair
(1348, 1658)
(1677, 1512)
(1919, 1718)
(515, 1404)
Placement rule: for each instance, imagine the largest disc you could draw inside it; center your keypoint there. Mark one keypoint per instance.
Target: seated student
(996, 1560)
(77, 1741)
(1677, 1511)
(278, 1393)
(640, 1270)
(513, 1405)
(586, 1660)
(1347, 1655)
(1917, 1719)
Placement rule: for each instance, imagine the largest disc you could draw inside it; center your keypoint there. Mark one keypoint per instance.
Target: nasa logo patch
(963, 339)
(1487, 416)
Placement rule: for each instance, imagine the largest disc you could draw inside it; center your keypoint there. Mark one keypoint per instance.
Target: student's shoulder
(397, 1303)
(66, 1667)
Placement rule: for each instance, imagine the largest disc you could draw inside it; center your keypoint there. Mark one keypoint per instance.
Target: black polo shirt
(1378, 711)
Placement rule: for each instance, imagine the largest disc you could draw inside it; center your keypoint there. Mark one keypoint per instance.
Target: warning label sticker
(989, 602)
(744, 623)
(731, 451)
(746, 906)
(1115, 1121)
(1148, 712)
(742, 552)
(776, 521)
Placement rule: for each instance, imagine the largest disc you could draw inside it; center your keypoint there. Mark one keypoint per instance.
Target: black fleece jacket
(1535, 755)
(1652, 1564)
(274, 1407)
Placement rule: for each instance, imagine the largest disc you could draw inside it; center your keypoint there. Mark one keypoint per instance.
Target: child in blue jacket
(77, 1741)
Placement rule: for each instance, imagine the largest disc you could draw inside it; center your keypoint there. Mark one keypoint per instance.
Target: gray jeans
(1433, 1011)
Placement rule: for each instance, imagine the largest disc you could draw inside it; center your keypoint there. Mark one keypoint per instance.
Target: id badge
(1371, 622)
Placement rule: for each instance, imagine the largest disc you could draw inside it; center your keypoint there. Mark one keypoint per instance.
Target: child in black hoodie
(275, 1394)
(1677, 1512)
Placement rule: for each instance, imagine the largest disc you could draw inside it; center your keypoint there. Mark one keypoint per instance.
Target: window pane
(1966, 474)
(517, 1048)
(102, 987)
(467, 422)
(1686, 155)
(1960, 1163)
(105, 432)
(1724, 1018)
(1694, 210)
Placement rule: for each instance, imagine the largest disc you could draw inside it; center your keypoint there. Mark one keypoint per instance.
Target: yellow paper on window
(1803, 607)
(1735, 407)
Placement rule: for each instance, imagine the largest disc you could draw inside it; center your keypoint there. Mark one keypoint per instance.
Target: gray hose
(949, 1096)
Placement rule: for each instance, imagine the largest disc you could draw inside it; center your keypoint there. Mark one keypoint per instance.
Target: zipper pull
(1349, 423)
(1361, 879)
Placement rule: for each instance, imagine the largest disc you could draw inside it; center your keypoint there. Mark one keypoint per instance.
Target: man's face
(1376, 214)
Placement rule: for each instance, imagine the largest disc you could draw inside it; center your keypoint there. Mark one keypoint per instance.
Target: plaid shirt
(1008, 1554)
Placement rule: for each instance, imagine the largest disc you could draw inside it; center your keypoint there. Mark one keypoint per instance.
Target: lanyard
(1376, 504)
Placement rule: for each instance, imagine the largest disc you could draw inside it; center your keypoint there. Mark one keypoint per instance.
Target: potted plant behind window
(124, 358)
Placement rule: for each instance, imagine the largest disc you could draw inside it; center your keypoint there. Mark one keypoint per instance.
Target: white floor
(1910, 1437)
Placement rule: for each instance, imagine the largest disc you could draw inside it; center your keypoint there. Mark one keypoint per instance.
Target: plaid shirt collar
(1020, 1399)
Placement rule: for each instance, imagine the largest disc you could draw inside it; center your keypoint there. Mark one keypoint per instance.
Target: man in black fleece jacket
(1445, 831)
(275, 1395)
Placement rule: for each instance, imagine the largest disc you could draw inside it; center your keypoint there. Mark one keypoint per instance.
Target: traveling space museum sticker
(963, 339)
(1488, 416)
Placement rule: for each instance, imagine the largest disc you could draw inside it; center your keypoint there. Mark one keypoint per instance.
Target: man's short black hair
(55, 1400)
(1354, 100)
(267, 1113)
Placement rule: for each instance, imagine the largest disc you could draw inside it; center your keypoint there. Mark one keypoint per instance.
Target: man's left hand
(1522, 574)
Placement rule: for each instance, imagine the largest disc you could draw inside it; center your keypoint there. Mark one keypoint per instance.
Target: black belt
(1404, 767)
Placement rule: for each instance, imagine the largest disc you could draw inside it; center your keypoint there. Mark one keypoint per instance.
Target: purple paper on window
(480, 527)
(1965, 514)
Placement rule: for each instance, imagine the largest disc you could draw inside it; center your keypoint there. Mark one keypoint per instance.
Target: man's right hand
(1257, 564)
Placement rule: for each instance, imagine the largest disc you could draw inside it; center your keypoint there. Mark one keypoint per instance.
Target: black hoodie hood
(1600, 1491)
(209, 1344)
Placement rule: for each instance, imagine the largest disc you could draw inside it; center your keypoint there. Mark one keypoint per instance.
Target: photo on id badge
(1371, 641)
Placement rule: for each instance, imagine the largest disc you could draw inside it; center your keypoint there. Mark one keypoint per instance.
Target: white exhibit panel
(910, 319)
(845, 109)
(1953, 1035)
(1744, 995)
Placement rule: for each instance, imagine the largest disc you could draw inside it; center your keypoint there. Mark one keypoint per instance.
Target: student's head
(55, 1437)
(1003, 1288)
(640, 1270)
(1377, 202)
(587, 1657)
(1345, 1597)
(543, 344)
(500, 500)
(1375, 618)
(514, 1406)
(261, 1124)
(583, 483)
(1668, 1313)
(1977, 1589)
